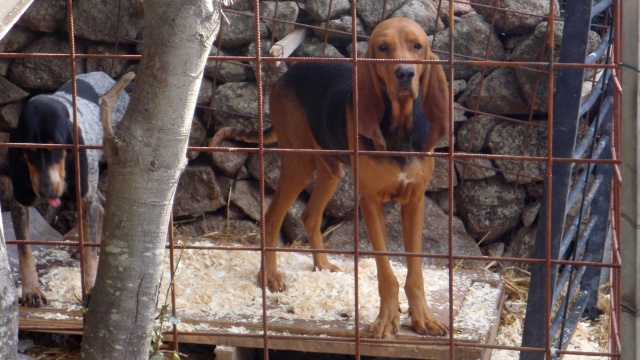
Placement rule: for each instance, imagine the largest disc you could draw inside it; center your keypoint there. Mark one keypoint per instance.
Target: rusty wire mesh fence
(511, 192)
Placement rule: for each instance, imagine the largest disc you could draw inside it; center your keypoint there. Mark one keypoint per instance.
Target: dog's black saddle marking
(325, 89)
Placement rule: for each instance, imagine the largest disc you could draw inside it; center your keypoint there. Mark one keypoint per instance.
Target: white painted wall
(630, 228)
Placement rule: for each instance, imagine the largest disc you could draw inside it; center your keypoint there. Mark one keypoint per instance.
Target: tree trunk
(8, 305)
(146, 158)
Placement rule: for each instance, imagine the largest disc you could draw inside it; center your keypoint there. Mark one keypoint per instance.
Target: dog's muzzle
(405, 75)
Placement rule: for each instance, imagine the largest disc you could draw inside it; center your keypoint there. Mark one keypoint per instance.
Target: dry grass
(590, 336)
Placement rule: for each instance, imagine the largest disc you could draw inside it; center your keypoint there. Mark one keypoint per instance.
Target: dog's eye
(382, 48)
(417, 46)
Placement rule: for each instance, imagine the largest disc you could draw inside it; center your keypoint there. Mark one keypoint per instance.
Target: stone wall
(499, 110)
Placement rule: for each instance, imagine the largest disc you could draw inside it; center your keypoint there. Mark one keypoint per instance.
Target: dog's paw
(429, 326)
(387, 324)
(424, 323)
(322, 263)
(275, 282)
(32, 296)
(422, 320)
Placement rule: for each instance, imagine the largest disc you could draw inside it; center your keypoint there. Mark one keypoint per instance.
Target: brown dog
(402, 107)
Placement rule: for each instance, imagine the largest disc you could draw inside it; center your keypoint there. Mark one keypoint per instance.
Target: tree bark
(8, 305)
(146, 156)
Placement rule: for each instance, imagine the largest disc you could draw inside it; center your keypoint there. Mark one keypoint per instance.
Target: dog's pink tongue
(55, 202)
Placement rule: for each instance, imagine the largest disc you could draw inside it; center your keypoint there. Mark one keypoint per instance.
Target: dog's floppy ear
(370, 103)
(435, 100)
(20, 179)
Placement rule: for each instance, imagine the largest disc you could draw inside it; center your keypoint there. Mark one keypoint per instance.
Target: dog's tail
(250, 136)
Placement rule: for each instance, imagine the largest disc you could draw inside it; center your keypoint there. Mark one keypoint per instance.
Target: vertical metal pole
(565, 120)
(630, 224)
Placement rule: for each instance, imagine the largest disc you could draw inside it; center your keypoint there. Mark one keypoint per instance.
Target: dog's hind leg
(32, 294)
(328, 174)
(296, 171)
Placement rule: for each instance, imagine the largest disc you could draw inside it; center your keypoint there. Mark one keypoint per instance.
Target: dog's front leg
(92, 213)
(387, 323)
(422, 319)
(32, 294)
(273, 221)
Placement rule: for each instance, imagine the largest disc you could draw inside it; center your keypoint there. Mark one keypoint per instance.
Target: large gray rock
(9, 115)
(522, 245)
(515, 16)
(444, 142)
(519, 140)
(459, 8)
(471, 36)
(435, 234)
(271, 168)
(372, 12)
(442, 199)
(292, 227)
(500, 93)
(313, 47)
(287, 10)
(197, 192)
(319, 9)
(490, 208)
(271, 71)
(459, 113)
(422, 12)
(9, 92)
(236, 104)
(475, 169)
(472, 134)
(206, 92)
(114, 68)
(17, 39)
(534, 82)
(361, 48)
(240, 30)
(98, 20)
(494, 250)
(531, 212)
(440, 178)
(343, 24)
(459, 87)
(46, 73)
(197, 137)
(246, 196)
(229, 162)
(45, 16)
(225, 71)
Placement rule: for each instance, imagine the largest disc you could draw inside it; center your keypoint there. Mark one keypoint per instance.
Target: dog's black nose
(405, 72)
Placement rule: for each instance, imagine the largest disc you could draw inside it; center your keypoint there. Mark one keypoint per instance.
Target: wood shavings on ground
(231, 289)
(212, 284)
(475, 316)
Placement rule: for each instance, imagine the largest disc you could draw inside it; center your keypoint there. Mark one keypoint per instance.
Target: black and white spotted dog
(50, 173)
